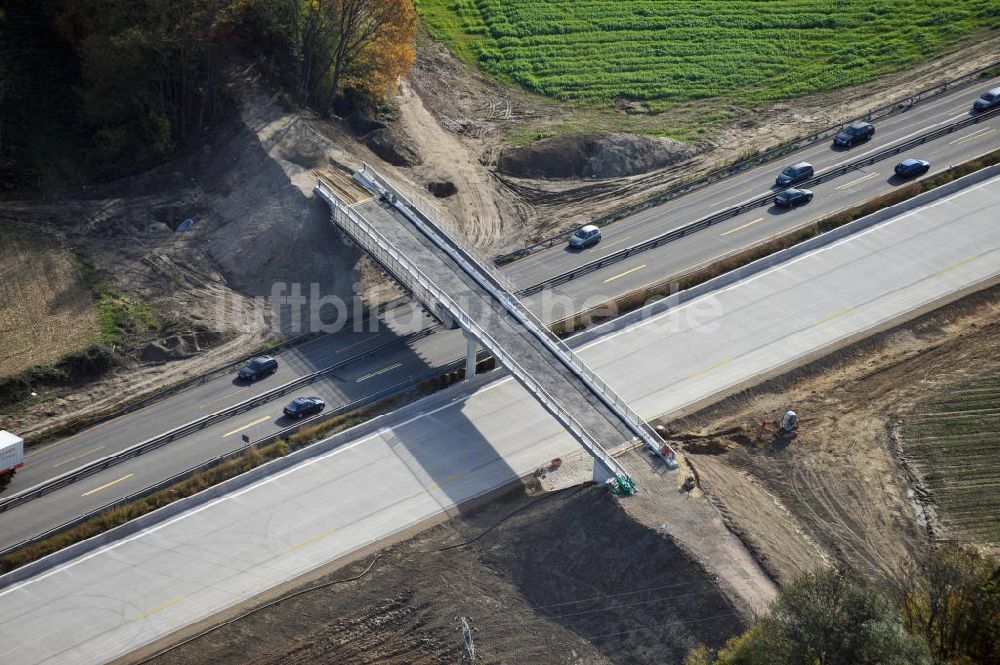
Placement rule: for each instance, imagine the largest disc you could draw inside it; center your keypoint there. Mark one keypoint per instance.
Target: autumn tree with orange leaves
(326, 46)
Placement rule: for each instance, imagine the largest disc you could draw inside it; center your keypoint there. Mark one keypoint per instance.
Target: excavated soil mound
(603, 155)
(393, 148)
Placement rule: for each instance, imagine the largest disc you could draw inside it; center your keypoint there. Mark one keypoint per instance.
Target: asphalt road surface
(395, 363)
(757, 225)
(948, 108)
(444, 450)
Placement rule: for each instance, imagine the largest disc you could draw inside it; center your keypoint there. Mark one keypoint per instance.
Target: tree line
(118, 86)
(943, 610)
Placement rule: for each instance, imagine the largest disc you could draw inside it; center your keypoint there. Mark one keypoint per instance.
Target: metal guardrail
(898, 106)
(756, 202)
(263, 441)
(180, 386)
(433, 216)
(406, 271)
(488, 281)
(160, 440)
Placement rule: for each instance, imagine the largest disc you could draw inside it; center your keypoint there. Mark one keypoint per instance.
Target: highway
(395, 364)
(450, 447)
(950, 107)
(752, 227)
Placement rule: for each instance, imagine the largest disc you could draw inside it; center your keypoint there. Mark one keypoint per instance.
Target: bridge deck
(560, 382)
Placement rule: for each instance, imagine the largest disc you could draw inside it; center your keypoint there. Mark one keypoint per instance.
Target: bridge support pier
(601, 473)
(472, 348)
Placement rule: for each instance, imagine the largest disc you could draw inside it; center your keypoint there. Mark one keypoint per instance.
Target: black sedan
(300, 407)
(909, 168)
(793, 197)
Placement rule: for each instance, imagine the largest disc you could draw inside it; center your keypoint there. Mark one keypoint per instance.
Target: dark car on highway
(854, 133)
(987, 100)
(258, 368)
(300, 407)
(793, 197)
(794, 173)
(910, 168)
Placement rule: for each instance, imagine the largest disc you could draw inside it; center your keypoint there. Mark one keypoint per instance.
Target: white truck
(11, 455)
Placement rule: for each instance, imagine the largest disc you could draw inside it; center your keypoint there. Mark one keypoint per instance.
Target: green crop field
(665, 51)
(954, 442)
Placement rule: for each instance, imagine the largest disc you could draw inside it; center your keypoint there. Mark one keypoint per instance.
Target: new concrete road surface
(444, 450)
(390, 366)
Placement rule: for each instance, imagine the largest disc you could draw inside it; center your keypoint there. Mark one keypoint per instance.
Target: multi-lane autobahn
(394, 363)
(445, 450)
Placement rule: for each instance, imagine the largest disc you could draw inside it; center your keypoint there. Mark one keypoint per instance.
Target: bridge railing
(399, 265)
(488, 280)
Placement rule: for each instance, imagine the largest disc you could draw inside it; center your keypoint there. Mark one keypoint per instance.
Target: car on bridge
(585, 236)
(300, 407)
(987, 100)
(258, 368)
(794, 174)
(793, 197)
(854, 133)
(910, 168)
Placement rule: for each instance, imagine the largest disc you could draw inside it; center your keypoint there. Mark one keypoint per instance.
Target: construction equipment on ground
(785, 429)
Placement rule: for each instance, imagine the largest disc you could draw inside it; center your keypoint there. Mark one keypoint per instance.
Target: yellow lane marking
(627, 272)
(616, 242)
(75, 457)
(377, 372)
(740, 228)
(107, 485)
(161, 607)
(450, 479)
(351, 346)
(709, 368)
(973, 135)
(250, 424)
(955, 265)
(834, 315)
(859, 180)
(311, 540)
(219, 399)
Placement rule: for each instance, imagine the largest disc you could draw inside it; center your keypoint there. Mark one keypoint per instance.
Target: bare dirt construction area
(558, 577)
(47, 304)
(847, 491)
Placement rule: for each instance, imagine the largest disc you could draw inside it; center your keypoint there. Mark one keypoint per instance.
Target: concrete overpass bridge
(462, 291)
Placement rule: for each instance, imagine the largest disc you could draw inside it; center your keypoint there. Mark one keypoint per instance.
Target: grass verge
(117, 317)
(633, 300)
